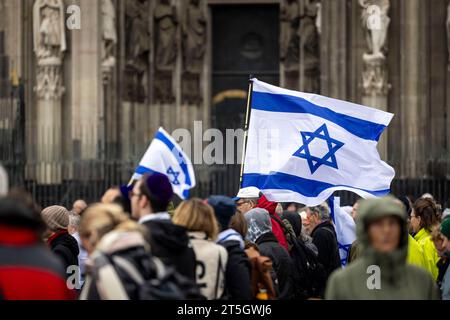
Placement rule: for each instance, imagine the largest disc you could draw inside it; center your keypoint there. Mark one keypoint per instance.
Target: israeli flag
(345, 228)
(165, 156)
(302, 147)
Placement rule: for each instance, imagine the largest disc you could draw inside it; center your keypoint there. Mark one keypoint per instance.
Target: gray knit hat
(56, 217)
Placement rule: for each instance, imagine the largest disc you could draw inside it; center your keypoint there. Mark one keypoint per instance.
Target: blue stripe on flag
(305, 187)
(143, 170)
(285, 103)
(160, 136)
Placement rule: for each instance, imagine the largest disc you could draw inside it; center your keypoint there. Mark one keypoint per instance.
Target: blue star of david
(175, 175)
(328, 159)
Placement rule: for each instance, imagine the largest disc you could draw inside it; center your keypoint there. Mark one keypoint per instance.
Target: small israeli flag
(165, 156)
(302, 147)
(345, 228)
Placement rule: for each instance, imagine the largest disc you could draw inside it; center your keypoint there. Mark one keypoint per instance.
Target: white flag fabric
(302, 147)
(345, 228)
(165, 156)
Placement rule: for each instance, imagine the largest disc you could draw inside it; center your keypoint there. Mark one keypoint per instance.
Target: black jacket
(324, 238)
(282, 264)
(237, 273)
(170, 243)
(66, 248)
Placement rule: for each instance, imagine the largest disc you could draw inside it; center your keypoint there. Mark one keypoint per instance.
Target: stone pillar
(333, 49)
(375, 85)
(87, 82)
(413, 137)
(49, 46)
(448, 87)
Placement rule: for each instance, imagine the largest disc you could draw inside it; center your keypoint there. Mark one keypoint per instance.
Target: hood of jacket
(266, 204)
(259, 223)
(370, 211)
(174, 237)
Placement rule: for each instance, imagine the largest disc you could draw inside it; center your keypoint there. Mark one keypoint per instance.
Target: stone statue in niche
(448, 33)
(290, 42)
(194, 47)
(137, 49)
(49, 46)
(48, 31)
(309, 40)
(166, 46)
(194, 36)
(375, 22)
(109, 35)
(166, 35)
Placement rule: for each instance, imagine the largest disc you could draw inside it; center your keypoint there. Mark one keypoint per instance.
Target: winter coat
(415, 253)
(324, 238)
(28, 270)
(377, 275)
(445, 286)
(430, 254)
(65, 247)
(277, 230)
(238, 268)
(211, 262)
(170, 243)
(282, 264)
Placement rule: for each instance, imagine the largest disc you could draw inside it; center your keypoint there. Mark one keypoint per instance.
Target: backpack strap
(108, 282)
(129, 268)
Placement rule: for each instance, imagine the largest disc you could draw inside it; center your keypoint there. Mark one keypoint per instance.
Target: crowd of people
(134, 244)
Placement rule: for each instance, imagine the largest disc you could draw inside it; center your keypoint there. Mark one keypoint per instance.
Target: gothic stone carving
(375, 23)
(137, 47)
(309, 39)
(49, 46)
(448, 33)
(290, 23)
(109, 36)
(194, 47)
(165, 26)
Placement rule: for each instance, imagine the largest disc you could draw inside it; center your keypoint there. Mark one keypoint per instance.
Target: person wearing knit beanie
(61, 243)
(56, 218)
(445, 228)
(445, 286)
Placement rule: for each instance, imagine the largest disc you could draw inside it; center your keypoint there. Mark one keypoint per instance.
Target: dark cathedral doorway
(245, 41)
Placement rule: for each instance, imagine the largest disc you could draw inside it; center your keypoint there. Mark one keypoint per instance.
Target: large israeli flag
(165, 156)
(302, 147)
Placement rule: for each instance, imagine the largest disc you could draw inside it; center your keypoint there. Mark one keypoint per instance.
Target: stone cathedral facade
(95, 90)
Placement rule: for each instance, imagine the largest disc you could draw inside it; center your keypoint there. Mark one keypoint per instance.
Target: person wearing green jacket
(423, 217)
(382, 271)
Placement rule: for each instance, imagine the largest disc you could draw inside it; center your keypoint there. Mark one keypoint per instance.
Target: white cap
(247, 193)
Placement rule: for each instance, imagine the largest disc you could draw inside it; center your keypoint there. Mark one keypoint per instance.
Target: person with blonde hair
(107, 232)
(211, 259)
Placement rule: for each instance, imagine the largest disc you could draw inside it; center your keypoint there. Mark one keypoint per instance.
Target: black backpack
(165, 282)
(311, 276)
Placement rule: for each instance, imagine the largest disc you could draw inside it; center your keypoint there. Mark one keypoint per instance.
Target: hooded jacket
(259, 232)
(277, 230)
(65, 247)
(396, 278)
(170, 243)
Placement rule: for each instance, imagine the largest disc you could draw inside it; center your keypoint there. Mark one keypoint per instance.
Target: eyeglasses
(240, 203)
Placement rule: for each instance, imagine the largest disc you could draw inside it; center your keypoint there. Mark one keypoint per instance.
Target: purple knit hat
(159, 186)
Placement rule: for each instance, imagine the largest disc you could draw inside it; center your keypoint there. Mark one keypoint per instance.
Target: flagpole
(244, 145)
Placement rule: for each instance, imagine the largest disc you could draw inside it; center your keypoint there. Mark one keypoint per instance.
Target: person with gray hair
(318, 224)
(260, 233)
(74, 224)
